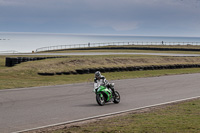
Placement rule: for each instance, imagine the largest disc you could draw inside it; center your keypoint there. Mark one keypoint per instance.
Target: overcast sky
(135, 17)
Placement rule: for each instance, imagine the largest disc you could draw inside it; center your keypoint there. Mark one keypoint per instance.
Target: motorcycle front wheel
(117, 97)
(100, 99)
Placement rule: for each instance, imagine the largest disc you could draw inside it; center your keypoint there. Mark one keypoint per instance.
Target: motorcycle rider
(101, 80)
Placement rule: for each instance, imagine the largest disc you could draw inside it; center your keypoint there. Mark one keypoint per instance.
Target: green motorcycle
(104, 95)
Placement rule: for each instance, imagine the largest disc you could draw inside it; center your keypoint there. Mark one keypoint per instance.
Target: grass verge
(25, 74)
(182, 117)
(14, 80)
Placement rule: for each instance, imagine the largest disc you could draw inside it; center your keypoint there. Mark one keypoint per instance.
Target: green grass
(180, 118)
(31, 79)
(25, 74)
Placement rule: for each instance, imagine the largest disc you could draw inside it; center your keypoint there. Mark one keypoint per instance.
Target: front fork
(101, 95)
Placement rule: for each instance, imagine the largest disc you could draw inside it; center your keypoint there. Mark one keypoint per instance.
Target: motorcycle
(104, 95)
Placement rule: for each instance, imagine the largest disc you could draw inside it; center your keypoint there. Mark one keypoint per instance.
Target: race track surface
(101, 53)
(26, 108)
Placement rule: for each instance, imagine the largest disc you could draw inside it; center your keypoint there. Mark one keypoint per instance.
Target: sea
(28, 42)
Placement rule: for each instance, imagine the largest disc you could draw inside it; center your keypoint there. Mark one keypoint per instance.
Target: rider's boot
(113, 91)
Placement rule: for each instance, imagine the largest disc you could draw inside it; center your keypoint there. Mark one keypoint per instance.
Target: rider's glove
(95, 90)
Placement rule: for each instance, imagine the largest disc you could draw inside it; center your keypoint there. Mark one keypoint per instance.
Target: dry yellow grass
(72, 63)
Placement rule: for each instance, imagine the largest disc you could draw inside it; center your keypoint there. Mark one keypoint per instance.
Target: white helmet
(97, 74)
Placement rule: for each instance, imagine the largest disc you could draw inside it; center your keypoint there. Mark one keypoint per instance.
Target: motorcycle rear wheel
(100, 99)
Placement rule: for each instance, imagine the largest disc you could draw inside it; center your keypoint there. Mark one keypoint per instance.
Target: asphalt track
(99, 53)
(27, 108)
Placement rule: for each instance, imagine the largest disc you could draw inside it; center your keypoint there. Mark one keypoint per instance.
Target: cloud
(115, 24)
(99, 15)
(124, 26)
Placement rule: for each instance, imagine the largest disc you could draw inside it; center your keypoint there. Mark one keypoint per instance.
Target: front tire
(100, 99)
(117, 97)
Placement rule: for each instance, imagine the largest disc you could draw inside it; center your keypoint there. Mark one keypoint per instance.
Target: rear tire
(117, 97)
(100, 99)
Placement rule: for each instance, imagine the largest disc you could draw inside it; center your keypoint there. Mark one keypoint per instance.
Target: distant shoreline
(30, 41)
(95, 34)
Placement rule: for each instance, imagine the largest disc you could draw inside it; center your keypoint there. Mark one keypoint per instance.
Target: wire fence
(62, 47)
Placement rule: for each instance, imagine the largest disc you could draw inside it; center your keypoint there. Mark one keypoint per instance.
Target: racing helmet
(97, 74)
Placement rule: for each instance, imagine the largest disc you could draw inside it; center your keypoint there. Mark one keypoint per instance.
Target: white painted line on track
(104, 115)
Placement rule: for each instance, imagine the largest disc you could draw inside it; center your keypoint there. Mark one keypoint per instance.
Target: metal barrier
(62, 47)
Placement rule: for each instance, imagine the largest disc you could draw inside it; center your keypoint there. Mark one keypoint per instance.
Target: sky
(124, 17)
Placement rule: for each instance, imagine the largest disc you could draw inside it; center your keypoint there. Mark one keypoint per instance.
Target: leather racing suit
(102, 81)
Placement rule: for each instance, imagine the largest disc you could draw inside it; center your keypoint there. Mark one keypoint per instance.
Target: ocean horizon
(28, 42)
